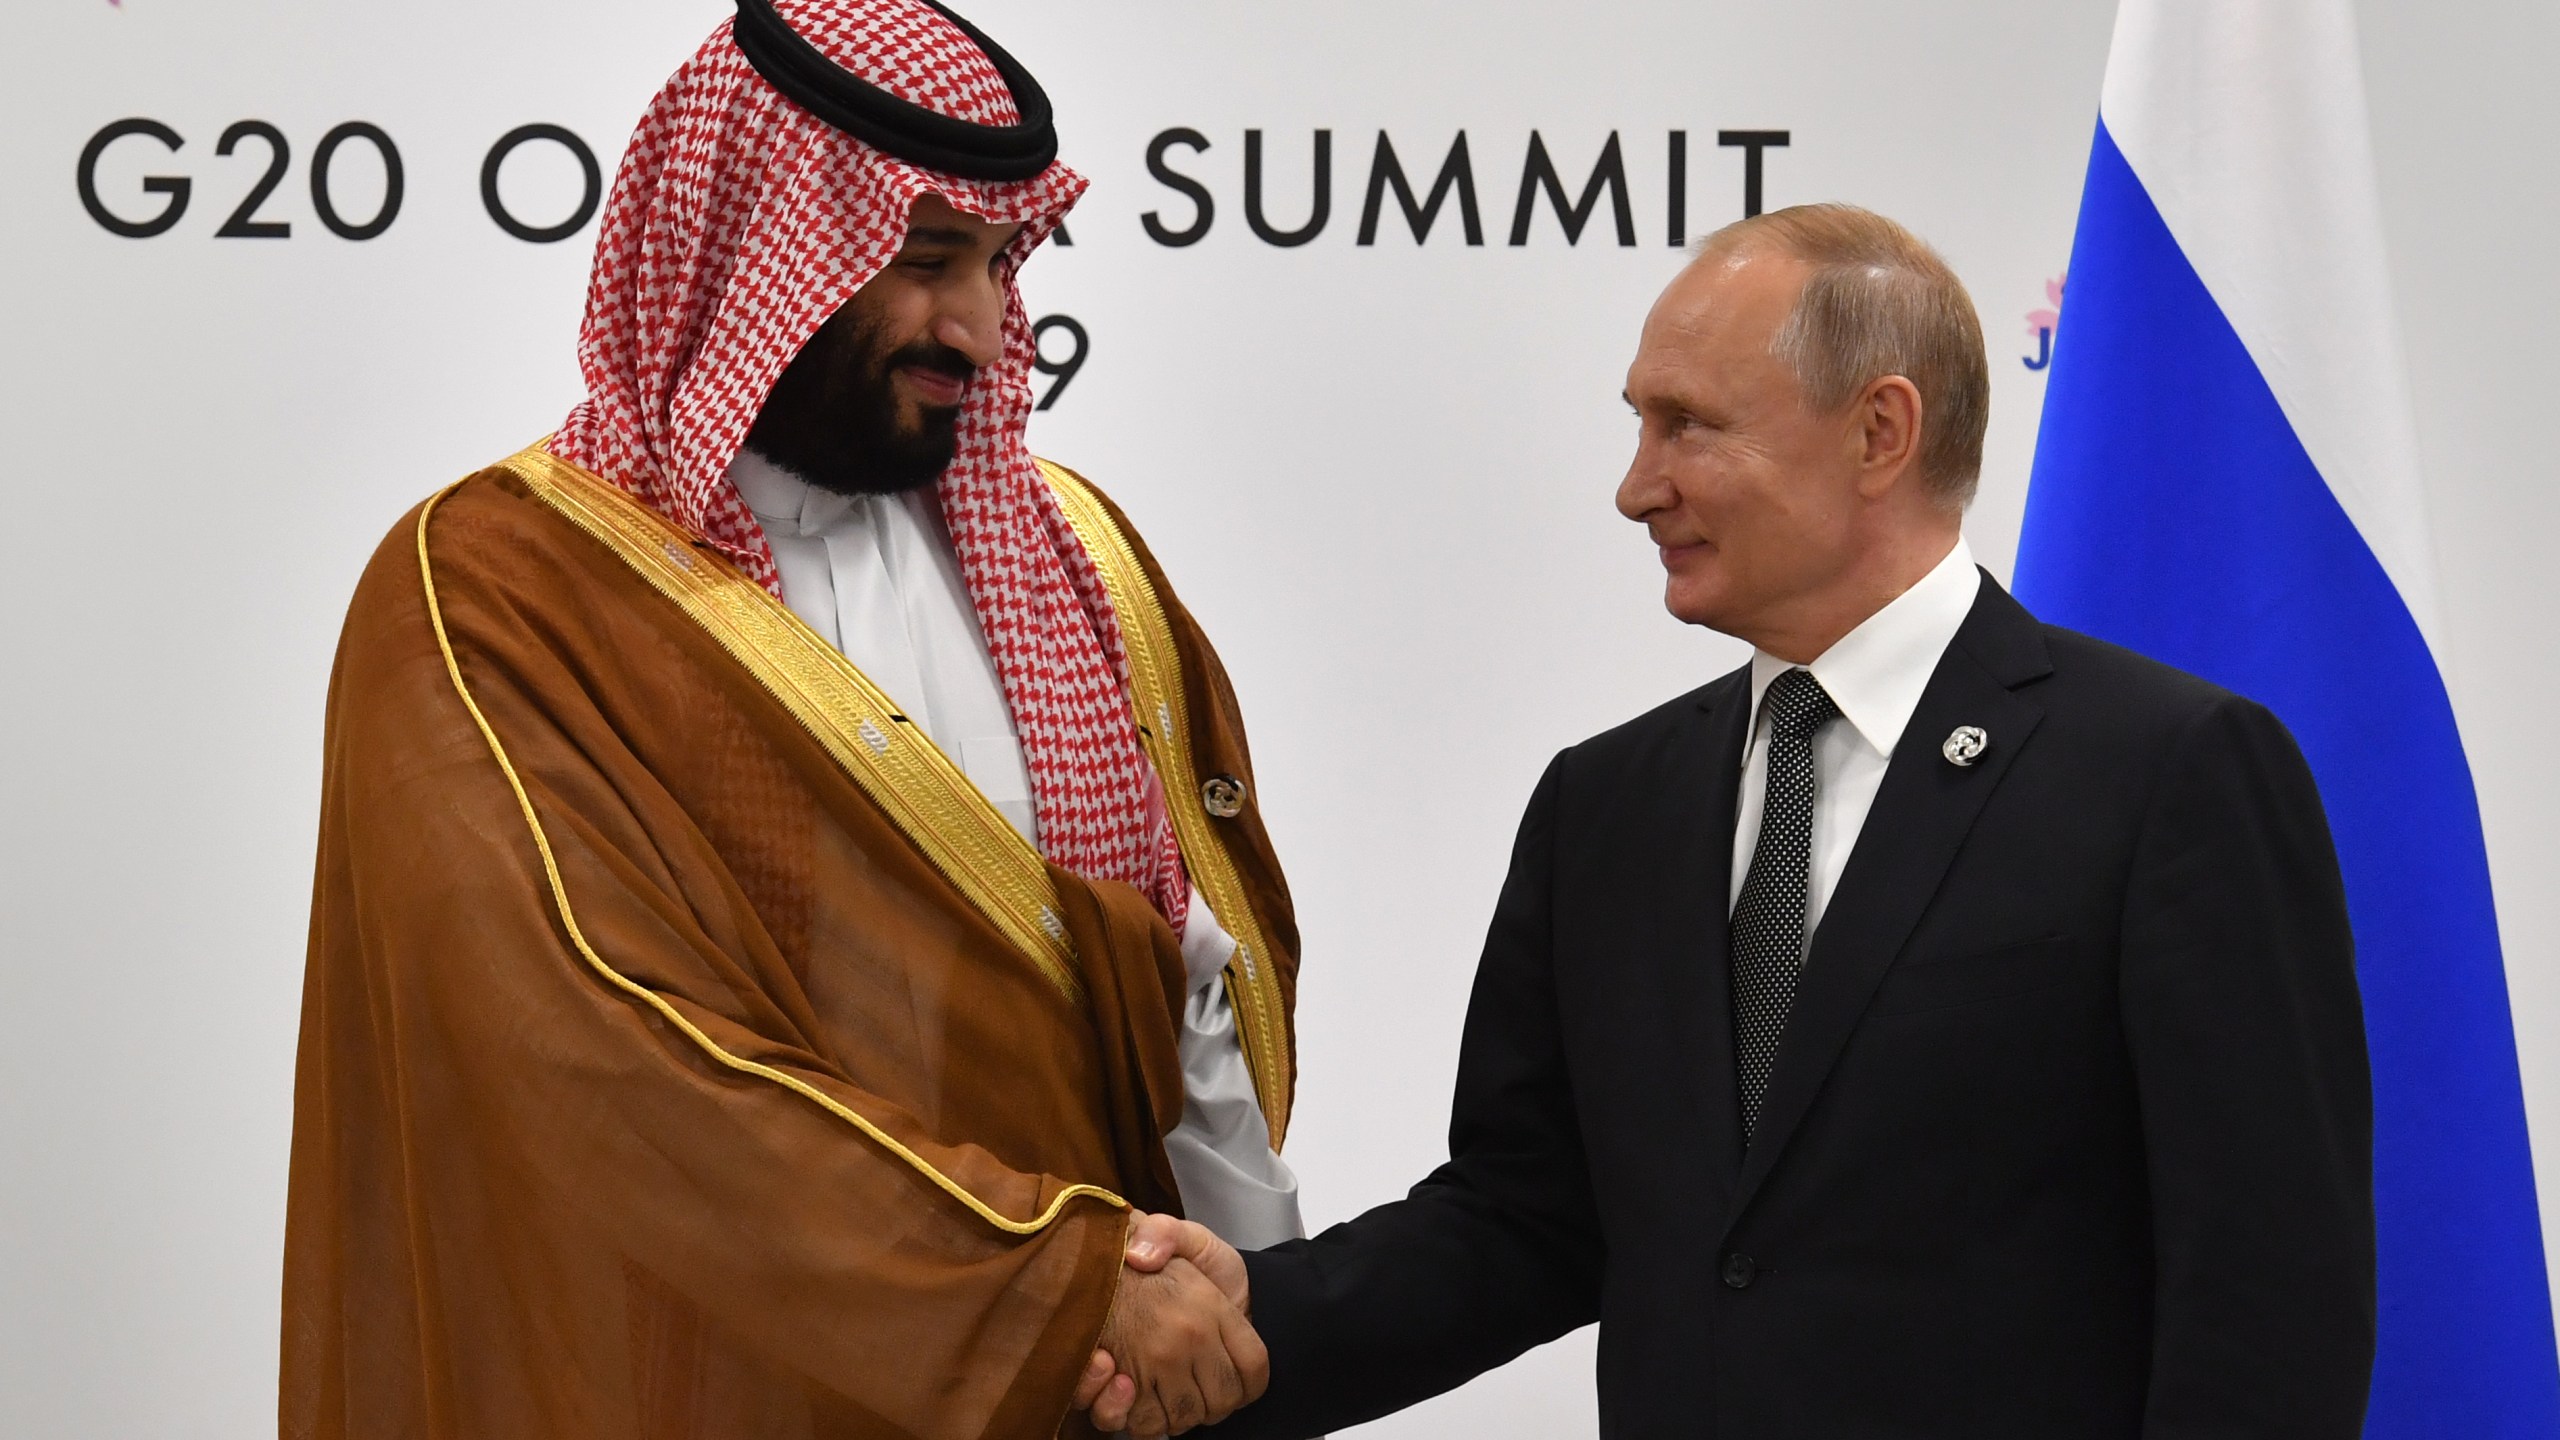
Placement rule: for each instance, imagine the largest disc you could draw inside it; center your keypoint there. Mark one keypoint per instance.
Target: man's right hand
(1177, 1351)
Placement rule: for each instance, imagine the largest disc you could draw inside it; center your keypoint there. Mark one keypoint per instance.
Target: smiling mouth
(935, 387)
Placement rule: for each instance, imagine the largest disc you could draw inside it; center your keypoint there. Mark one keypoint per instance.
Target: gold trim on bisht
(1155, 677)
(609, 522)
(902, 771)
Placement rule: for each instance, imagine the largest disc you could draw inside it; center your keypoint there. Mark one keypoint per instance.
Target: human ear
(1889, 419)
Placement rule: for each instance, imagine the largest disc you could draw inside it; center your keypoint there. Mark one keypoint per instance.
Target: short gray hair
(1880, 302)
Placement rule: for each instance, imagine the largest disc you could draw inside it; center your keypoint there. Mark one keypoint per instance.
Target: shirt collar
(1876, 673)
(784, 503)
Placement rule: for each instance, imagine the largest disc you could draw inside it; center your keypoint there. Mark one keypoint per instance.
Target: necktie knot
(1798, 705)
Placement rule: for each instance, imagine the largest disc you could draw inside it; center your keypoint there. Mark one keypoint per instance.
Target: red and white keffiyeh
(738, 225)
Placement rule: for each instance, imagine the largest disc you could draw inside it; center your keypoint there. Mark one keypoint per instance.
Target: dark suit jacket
(2068, 1135)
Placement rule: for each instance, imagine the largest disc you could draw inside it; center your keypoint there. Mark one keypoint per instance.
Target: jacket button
(1223, 797)
(1739, 1272)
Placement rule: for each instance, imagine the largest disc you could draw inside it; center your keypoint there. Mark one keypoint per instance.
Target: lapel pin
(1965, 746)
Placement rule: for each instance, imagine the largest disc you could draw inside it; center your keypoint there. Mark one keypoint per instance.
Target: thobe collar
(785, 503)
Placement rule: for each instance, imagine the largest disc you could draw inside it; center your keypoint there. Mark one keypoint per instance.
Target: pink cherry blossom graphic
(2042, 323)
(2051, 316)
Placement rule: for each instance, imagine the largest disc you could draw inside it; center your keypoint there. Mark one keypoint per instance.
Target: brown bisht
(687, 1049)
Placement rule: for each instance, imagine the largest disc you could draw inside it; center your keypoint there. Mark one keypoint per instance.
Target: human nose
(972, 319)
(1646, 488)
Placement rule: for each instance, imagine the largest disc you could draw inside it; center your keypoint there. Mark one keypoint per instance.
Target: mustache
(930, 355)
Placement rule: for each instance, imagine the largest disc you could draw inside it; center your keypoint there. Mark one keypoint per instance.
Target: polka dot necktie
(1768, 922)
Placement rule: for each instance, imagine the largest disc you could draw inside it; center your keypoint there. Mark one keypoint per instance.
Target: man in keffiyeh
(790, 882)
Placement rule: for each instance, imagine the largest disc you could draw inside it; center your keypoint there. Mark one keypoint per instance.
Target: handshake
(1177, 1351)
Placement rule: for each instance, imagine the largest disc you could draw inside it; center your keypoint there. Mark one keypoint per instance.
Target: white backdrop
(1380, 474)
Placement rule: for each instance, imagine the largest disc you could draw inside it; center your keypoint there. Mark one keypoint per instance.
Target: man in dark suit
(1944, 1026)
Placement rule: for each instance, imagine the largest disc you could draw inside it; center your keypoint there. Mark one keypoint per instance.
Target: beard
(834, 419)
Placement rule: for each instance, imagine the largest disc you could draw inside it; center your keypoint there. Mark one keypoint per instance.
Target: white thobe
(1875, 674)
(877, 578)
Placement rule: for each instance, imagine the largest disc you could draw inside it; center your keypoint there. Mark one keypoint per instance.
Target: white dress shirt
(876, 577)
(1875, 674)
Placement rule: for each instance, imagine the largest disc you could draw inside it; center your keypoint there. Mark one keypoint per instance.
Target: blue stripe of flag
(2174, 511)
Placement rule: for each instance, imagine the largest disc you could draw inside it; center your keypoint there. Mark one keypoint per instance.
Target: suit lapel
(1683, 940)
(1922, 813)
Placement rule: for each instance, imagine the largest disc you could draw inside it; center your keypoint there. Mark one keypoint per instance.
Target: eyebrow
(940, 235)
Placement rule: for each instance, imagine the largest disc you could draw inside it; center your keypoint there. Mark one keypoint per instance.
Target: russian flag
(2227, 480)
